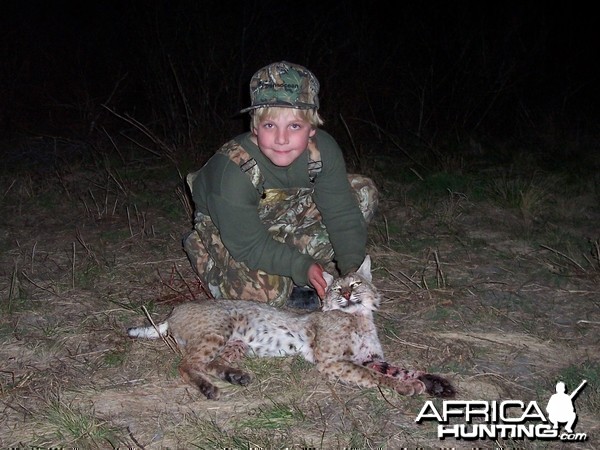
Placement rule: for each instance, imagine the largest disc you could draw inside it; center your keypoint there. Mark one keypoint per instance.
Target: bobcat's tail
(149, 332)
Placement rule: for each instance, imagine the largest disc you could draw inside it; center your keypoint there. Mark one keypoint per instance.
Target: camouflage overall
(291, 217)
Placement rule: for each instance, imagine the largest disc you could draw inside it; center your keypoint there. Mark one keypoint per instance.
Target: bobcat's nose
(346, 294)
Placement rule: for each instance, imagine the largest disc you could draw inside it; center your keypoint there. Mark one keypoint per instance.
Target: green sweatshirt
(226, 194)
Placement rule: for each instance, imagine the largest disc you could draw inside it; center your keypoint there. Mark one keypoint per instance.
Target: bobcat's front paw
(437, 386)
(211, 392)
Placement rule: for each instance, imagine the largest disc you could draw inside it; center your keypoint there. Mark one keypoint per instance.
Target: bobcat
(341, 339)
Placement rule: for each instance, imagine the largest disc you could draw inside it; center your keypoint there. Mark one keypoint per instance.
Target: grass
(77, 426)
(527, 193)
(585, 370)
(488, 277)
(276, 416)
(115, 358)
(578, 259)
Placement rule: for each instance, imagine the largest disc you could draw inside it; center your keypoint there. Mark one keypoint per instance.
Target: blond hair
(268, 112)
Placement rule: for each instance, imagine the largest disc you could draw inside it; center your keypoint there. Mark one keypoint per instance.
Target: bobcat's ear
(365, 269)
(328, 278)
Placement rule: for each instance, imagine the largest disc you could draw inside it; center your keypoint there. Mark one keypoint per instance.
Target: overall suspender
(248, 165)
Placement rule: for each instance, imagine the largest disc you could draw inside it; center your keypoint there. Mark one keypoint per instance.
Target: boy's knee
(191, 241)
(193, 247)
(258, 286)
(366, 194)
(197, 254)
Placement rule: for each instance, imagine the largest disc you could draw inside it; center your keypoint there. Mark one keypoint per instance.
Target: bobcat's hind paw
(437, 386)
(238, 377)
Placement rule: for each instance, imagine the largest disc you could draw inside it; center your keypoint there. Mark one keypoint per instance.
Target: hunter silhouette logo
(512, 419)
(560, 407)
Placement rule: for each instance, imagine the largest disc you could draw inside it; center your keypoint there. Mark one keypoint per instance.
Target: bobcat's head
(352, 293)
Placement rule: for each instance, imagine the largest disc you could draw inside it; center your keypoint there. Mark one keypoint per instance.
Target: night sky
(484, 69)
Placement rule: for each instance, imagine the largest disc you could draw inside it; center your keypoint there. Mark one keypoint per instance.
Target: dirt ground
(504, 302)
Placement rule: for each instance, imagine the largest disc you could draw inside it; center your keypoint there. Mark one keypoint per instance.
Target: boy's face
(283, 137)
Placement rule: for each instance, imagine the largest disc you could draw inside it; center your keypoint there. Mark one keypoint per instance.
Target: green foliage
(86, 277)
(441, 183)
(114, 358)
(115, 235)
(77, 426)
(173, 367)
(204, 434)
(529, 194)
(588, 398)
(573, 375)
(18, 297)
(272, 416)
(440, 314)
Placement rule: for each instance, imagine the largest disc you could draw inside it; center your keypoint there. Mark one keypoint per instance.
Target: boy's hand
(316, 280)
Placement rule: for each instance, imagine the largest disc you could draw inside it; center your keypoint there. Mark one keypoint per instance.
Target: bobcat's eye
(355, 284)
(337, 289)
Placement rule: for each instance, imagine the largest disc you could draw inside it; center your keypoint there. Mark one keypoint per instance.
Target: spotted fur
(341, 339)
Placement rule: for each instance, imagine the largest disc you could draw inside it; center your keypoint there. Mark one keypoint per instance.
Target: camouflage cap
(284, 84)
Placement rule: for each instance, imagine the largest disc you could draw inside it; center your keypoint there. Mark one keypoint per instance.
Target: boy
(274, 206)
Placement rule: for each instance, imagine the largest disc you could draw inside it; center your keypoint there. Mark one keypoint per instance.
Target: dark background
(430, 79)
